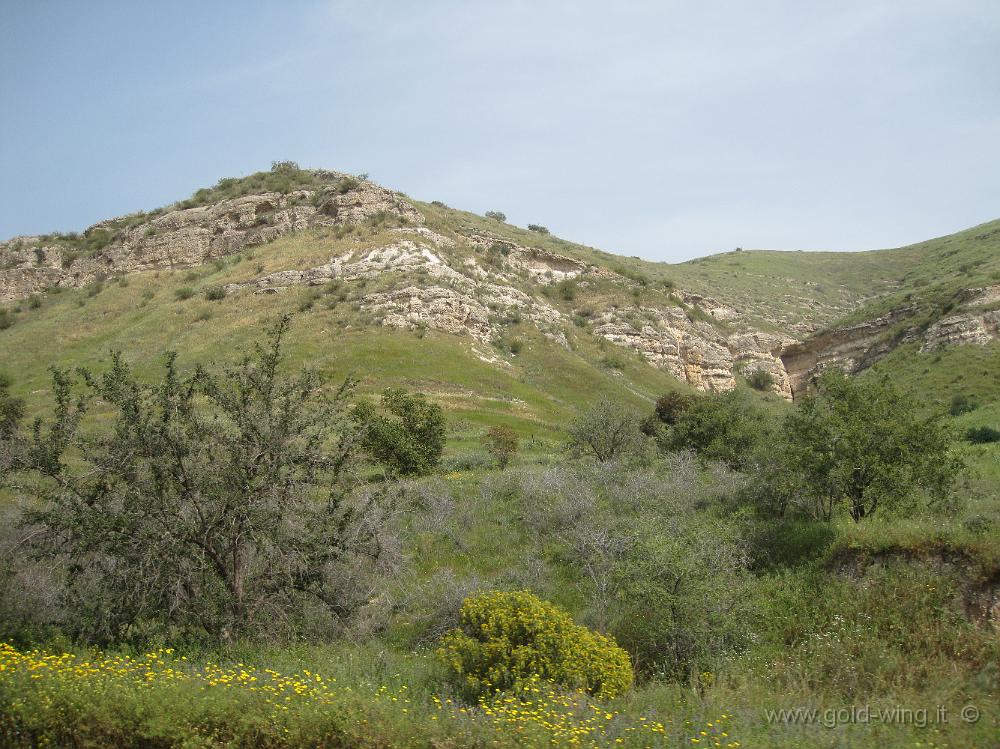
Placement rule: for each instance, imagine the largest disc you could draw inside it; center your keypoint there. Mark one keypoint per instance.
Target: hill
(498, 322)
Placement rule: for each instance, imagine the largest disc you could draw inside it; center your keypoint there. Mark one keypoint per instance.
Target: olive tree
(215, 502)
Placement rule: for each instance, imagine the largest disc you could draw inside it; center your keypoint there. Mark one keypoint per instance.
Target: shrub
(190, 508)
(346, 184)
(538, 228)
(566, 289)
(185, 292)
(962, 404)
(497, 216)
(501, 443)
(982, 435)
(509, 638)
(11, 408)
(215, 293)
(760, 379)
(725, 427)
(605, 431)
(670, 406)
(34, 301)
(407, 436)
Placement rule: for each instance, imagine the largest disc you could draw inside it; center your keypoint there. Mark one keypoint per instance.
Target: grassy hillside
(149, 313)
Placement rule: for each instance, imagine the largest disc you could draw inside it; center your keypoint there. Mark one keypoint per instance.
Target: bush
(982, 435)
(7, 319)
(606, 431)
(860, 442)
(509, 638)
(215, 293)
(183, 293)
(407, 436)
(670, 406)
(11, 408)
(727, 427)
(538, 228)
(962, 404)
(760, 379)
(501, 443)
(497, 216)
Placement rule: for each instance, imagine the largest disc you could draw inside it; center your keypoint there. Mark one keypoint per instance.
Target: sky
(663, 129)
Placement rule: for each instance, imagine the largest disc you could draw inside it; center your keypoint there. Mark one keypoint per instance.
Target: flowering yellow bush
(507, 638)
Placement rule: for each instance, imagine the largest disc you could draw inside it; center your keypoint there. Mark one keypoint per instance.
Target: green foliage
(497, 216)
(215, 293)
(760, 379)
(961, 403)
(538, 228)
(7, 318)
(501, 443)
(11, 409)
(606, 431)
(284, 177)
(728, 427)
(184, 293)
(859, 442)
(406, 435)
(209, 506)
(508, 639)
(682, 604)
(670, 406)
(982, 435)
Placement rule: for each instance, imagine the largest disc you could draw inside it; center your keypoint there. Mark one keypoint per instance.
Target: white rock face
(694, 351)
(186, 237)
(965, 329)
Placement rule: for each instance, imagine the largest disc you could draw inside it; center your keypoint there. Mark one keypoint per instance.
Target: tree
(501, 443)
(406, 435)
(726, 427)
(860, 442)
(605, 431)
(215, 502)
(497, 216)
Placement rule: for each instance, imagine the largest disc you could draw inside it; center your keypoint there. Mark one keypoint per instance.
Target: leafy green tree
(501, 443)
(406, 435)
(859, 442)
(727, 427)
(213, 503)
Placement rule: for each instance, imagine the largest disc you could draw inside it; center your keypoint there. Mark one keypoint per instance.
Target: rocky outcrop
(851, 349)
(975, 320)
(963, 329)
(187, 237)
(694, 351)
(456, 297)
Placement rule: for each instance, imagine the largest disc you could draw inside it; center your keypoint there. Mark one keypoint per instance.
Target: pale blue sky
(661, 129)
